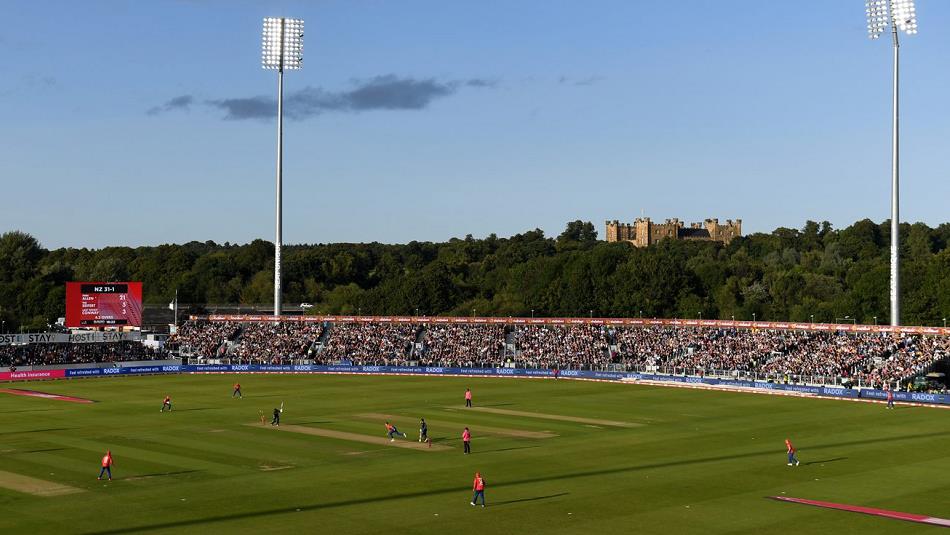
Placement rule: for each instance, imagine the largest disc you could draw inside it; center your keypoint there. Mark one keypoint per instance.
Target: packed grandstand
(49, 354)
(863, 358)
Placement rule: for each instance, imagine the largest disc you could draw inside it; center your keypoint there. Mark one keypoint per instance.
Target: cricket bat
(281, 407)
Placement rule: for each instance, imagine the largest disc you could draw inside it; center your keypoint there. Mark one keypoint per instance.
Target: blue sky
(127, 123)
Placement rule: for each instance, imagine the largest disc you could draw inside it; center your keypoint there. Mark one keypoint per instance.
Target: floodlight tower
(281, 48)
(899, 15)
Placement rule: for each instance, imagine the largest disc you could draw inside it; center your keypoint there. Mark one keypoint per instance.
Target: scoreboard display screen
(103, 304)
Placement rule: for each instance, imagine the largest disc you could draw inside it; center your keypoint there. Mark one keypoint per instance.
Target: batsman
(277, 412)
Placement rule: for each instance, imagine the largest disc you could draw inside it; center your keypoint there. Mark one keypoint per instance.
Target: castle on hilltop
(644, 232)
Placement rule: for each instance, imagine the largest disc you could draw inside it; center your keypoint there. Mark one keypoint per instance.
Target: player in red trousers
(478, 486)
(106, 465)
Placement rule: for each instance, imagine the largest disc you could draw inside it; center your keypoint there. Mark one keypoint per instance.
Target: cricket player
(391, 430)
(166, 403)
(423, 430)
(791, 453)
(276, 419)
(468, 397)
(237, 391)
(467, 441)
(890, 398)
(479, 487)
(106, 465)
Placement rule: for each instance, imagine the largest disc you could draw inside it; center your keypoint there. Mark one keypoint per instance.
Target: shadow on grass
(522, 500)
(30, 410)
(777, 452)
(38, 430)
(199, 409)
(826, 461)
(44, 450)
(508, 449)
(160, 474)
(310, 422)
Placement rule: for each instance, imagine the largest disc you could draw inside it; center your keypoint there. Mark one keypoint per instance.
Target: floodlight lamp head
(905, 15)
(876, 11)
(282, 44)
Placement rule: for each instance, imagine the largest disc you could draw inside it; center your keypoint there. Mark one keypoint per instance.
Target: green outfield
(557, 456)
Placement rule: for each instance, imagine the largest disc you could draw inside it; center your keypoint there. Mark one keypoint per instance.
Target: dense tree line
(789, 274)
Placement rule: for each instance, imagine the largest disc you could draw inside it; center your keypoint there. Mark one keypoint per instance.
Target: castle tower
(611, 231)
(643, 226)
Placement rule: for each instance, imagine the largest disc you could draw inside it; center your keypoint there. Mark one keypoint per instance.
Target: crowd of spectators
(204, 338)
(275, 343)
(799, 356)
(12, 356)
(698, 349)
(370, 344)
(909, 357)
(823, 354)
(578, 347)
(872, 359)
(463, 345)
(867, 359)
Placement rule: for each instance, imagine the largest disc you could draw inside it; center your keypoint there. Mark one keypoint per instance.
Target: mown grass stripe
(559, 417)
(138, 449)
(355, 437)
(34, 486)
(457, 427)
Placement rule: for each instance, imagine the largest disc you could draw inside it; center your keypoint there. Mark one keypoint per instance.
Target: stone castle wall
(644, 232)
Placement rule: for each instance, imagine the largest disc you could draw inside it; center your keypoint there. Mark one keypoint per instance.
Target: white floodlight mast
(281, 48)
(899, 15)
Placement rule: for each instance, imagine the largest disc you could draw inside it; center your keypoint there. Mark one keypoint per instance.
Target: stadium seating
(51, 354)
(370, 343)
(866, 359)
(204, 338)
(779, 355)
(463, 345)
